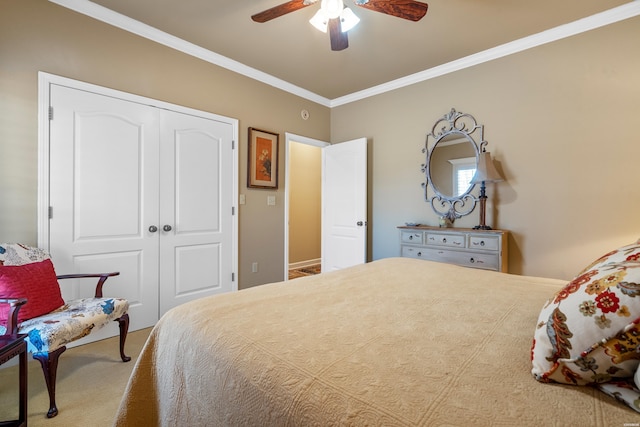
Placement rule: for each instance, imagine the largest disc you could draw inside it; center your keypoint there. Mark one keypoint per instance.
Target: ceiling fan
(340, 19)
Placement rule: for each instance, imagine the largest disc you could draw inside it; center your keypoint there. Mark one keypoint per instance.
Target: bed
(395, 342)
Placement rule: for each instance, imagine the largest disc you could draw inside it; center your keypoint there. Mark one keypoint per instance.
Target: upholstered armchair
(31, 303)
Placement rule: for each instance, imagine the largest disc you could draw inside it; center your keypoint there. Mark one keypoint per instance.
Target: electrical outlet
(254, 267)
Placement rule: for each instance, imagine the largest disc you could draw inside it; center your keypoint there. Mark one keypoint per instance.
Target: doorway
(343, 198)
(303, 205)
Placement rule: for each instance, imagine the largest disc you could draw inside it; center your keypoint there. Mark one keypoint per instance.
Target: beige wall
(561, 121)
(36, 35)
(304, 202)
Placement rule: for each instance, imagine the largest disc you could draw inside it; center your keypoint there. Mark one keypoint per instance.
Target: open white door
(344, 204)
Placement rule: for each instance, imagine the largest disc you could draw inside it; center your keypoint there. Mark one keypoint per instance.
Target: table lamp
(485, 172)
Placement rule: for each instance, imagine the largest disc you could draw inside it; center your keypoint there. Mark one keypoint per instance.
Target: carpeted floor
(305, 271)
(91, 380)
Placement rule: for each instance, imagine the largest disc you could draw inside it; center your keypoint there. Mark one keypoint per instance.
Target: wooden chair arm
(102, 276)
(14, 307)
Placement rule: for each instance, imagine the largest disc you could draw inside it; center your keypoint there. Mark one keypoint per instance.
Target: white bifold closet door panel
(195, 209)
(104, 194)
(143, 191)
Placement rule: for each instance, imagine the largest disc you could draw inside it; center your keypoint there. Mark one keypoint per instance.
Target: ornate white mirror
(452, 151)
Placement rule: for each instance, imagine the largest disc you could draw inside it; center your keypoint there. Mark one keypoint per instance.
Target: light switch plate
(271, 200)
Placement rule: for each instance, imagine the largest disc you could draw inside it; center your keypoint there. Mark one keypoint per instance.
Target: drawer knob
(472, 260)
(481, 242)
(444, 240)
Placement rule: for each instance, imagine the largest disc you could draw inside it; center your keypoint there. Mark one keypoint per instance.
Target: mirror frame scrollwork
(462, 125)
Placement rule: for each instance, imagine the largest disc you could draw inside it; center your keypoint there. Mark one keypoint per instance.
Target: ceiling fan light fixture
(348, 20)
(320, 20)
(332, 8)
(338, 20)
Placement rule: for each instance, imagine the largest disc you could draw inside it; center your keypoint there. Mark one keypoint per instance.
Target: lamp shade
(333, 8)
(348, 20)
(486, 171)
(320, 20)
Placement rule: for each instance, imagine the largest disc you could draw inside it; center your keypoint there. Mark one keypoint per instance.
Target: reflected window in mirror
(452, 149)
(463, 171)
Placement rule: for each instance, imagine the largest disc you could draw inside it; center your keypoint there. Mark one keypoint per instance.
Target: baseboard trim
(303, 264)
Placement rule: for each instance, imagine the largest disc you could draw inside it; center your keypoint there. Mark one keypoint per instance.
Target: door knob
(167, 227)
(359, 223)
(153, 229)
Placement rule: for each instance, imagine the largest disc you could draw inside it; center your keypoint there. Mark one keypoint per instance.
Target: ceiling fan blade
(406, 9)
(281, 9)
(339, 40)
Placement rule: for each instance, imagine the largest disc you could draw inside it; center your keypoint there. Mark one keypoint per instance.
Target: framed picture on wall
(262, 170)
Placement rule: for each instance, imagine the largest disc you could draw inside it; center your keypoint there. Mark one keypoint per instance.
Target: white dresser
(485, 249)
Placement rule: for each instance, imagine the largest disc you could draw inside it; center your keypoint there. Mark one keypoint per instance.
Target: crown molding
(123, 22)
(598, 20)
(616, 14)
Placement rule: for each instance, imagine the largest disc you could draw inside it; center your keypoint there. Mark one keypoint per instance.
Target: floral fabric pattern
(74, 320)
(17, 254)
(70, 322)
(589, 332)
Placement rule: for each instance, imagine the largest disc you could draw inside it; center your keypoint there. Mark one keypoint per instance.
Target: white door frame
(45, 80)
(289, 138)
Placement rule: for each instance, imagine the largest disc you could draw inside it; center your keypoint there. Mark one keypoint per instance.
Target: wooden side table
(11, 346)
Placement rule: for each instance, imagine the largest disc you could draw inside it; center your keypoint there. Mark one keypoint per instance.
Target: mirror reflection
(453, 164)
(452, 150)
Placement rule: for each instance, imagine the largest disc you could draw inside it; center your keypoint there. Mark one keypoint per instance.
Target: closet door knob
(153, 229)
(167, 227)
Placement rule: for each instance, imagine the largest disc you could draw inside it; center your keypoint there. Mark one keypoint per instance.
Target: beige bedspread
(393, 342)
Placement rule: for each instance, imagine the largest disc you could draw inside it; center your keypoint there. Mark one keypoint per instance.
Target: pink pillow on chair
(37, 282)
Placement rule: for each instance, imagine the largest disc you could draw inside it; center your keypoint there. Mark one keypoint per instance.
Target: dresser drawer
(486, 249)
(412, 237)
(487, 243)
(453, 240)
(467, 259)
(413, 252)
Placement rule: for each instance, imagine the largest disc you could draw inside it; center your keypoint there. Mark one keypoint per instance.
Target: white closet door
(103, 184)
(196, 225)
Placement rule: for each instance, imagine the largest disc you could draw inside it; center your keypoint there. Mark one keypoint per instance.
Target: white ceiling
(288, 52)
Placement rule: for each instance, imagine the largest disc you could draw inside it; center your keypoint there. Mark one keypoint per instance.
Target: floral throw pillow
(589, 332)
(19, 254)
